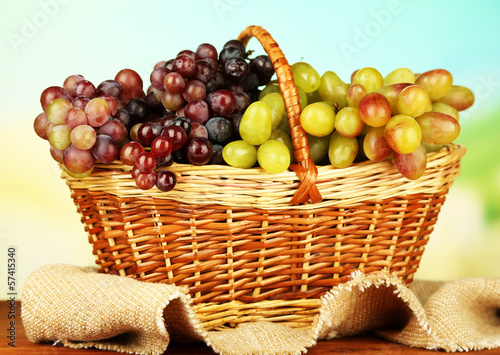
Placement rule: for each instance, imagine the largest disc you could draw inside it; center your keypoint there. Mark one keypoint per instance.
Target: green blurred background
(43, 42)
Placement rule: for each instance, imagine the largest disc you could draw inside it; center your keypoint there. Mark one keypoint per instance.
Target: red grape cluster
(190, 111)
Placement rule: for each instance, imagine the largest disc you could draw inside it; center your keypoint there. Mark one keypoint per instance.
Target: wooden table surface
(353, 345)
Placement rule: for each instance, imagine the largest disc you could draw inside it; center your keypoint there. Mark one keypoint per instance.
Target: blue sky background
(42, 42)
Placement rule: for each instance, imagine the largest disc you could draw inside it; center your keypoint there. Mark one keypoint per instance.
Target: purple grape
(105, 149)
(184, 65)
(222, 103)
(236, 69)
(198, 151)
(138, 109)
(205, 71)
(148, 132)
(263, 68)
(165, 180)
(217, 158)
(110, 87)
(220, 130)
(184, 123)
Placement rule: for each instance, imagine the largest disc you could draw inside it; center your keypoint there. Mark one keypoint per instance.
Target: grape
(263, 68)
(400, 75)
(342, 150)
(306, 76)
(172, 102)
(445, 108)
(235, 119)
(198, 151)
(242, 101)
(123, 116)
(83, 88)
(220, 130)
(40, 125)
(57, 154)
(207, 50)
(194, 90)
(184, 65)
(436, 82)
(56, 110)
(228, 53)
(176, 134)
(80, 102)
(236, 69)
(277, 106)
(79, 176)
(459, 97)
(197, 111)
(374, 109)
(174, 83)
(78, 161)
(129, 152)
(318, 148)
(70, 82)
(412, 101)
(234, 43)
(273, 156)
(204, 71)
(133, 133)
(370, 78)
(333, 89)
(438, 128)
(164, 162)
(255, 125)
(83, 137)
(375, 146)
(222, 103)
(145, 161)
(217, 158)
(391, 93)
(354, 95)
(115, 129)
(403, 134)
(183, 122)
(318, 119)
(270, 88)
(59, 137)
(411, 166)
(113, 105)
(131, 83)
(348, 122)
(110, 87)
(157, 77)
(314, 96)
(240, 154)
(51, 93)
(165, 180)
(145, 180)
(105, 149)
(161, 147)
(138, 110)
(197, 130)
(97, 111)
(147, 132)
(284, 138)
(75, 117)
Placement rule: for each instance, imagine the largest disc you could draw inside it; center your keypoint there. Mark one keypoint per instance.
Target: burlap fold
(81, 309)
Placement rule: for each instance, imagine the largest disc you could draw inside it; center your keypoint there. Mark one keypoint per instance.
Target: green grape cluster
(401, 116)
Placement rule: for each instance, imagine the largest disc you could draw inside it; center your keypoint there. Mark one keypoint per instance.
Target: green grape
(239, 154)
(436, 82)
(277, 106)
(459, 97)
(412, 165)
(403, 134)
(342, 151)
(80, 175)
(284, 125)
(318, 119)
(348, 122)
(374, 109)
(255, 125)
(313, 97)
(375, 146)
(318, 148)
(431, 148)
(302, 97)
(413, 101)
(400, 75)
(355, 94)
(438, 128)
(445, 108)
(59, 137)
(273, 156)
(370, 78)
(333, 89)
(268, 89)
(306, 76)
(283, 137)
(56, 111)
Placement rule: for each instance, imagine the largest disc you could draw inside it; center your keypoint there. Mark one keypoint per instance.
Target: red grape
(105, 149)
(129, 152)
(165, 180)
(145, 161)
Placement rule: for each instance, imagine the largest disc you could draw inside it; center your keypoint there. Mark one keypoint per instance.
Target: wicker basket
(251, 245)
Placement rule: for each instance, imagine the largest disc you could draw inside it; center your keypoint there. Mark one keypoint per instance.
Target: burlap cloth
(81, 308)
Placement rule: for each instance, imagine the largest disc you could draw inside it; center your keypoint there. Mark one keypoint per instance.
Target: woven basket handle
(304, 168)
